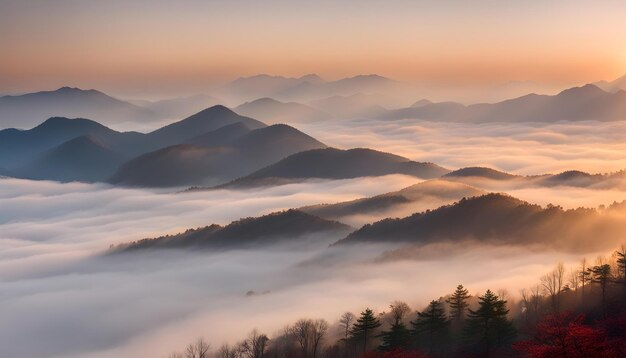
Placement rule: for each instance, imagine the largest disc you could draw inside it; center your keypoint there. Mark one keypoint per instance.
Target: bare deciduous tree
(320, 327)
(397, 310)
(301, 332)
(574, 279)
(226, 351)
(255, 345)
(345, 322)
(198, 349)
(552, 283)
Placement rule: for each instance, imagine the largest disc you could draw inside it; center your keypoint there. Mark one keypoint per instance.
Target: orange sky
(185, 46)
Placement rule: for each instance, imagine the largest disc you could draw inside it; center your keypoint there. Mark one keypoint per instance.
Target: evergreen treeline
(575, 313)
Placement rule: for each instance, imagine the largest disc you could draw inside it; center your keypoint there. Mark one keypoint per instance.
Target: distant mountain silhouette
(179, 107)
(421, 103)
(307, 88)
(358, 105)
(575, 104)
(210, 164)
(262, 231)
(498, 219)
(84, 158)
(481, 172)
(331, 163)
(476, 176)
(25, 111)
(441, 110)
(400, 202)
(19, 147)
(272, 111)
(613, 86)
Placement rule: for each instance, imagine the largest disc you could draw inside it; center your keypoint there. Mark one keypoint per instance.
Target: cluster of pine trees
(580, 313)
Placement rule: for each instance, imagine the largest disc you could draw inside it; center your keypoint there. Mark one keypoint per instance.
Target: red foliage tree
(396, 353)
(566, 335)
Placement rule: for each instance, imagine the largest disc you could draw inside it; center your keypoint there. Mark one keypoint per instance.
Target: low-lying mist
(521, 148)
(61, 297)
(57, 285)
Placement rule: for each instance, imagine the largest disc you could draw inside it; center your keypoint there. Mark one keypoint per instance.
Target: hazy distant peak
(482, 172)
(421, 103)
(371, 78)
(312, 77)
(263, 100)
(587, 90)
(74, 89)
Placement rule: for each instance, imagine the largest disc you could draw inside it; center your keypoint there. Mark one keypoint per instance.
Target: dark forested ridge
(496, 218)
(257, 231)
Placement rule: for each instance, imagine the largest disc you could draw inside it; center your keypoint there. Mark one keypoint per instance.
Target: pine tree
(458, 303)
(398, 337)
(364, 327)
(488, 325)
(601, 274)
(431, 325)
(621, 263)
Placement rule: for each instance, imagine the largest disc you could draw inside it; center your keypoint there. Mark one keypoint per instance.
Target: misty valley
(115, 240)
(321, 179)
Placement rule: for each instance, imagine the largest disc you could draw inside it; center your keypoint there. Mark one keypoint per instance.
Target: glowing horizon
(188, 46)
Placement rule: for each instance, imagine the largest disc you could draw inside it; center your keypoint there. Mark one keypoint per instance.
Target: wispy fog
(522, 148)
(57, 286)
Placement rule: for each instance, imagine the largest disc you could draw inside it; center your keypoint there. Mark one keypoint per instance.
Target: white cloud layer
(59, 298)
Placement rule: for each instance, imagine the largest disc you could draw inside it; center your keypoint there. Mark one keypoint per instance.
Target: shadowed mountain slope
(84, 158)
(213, 163)
(265, 230)
(19, 147)
(331, 163)
(221, 136)
(202, 122)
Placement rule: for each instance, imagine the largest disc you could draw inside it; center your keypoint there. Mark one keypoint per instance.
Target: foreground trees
(458, 304)
(309, 333)
(586, 319)
(566, 335)
(364, 328)
(488, 326)
(398, 336)
(431, 327)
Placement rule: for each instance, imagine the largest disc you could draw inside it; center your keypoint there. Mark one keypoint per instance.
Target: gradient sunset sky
(185, 45)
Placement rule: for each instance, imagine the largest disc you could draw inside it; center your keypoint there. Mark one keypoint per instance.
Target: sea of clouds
(61, 297)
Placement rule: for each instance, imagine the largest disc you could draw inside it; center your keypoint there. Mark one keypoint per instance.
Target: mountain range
(272, 111)
(308, 88)
(588, 102)
(24, 111)
(493, 218)
(205, 163)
